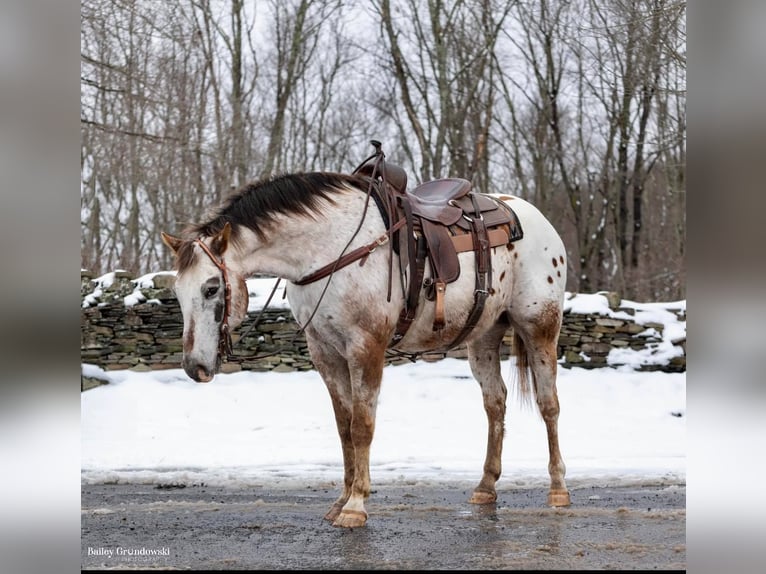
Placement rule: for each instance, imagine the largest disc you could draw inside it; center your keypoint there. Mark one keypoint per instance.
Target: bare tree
(578, 105)
(119, 99)
(297, 28)
(440, 57)
(544, 124)
(632, 38)
(583, 121)
(324, 117)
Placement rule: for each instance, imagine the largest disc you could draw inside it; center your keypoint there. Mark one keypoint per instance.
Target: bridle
(225, 346)
(224, 339)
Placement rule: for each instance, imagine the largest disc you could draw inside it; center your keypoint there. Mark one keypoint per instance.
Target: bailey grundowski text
(120, 551)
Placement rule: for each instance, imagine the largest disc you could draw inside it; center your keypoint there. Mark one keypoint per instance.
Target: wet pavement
(410, 527)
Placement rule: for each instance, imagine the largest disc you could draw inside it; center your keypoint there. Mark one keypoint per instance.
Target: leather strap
(483, 283)
(439, 289)
(417, 271)
(349, 257)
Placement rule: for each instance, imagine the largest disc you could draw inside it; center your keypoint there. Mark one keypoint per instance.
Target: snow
(259, 290)
(617, 425)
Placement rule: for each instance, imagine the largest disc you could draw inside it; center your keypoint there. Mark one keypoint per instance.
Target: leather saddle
(454, 219)
(444, 217)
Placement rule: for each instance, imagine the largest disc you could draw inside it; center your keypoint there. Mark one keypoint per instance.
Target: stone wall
(127, 325)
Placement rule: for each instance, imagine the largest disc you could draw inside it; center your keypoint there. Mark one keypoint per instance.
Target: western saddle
(442, 218)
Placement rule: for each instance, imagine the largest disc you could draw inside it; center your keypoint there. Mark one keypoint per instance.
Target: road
(410, 527)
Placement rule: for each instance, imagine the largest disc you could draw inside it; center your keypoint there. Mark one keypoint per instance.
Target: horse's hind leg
(535, 342)
(484, 358)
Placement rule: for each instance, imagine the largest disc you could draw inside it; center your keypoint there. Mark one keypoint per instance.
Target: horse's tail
(523, 372)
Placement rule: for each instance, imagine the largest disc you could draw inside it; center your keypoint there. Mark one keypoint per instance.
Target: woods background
(578, 106)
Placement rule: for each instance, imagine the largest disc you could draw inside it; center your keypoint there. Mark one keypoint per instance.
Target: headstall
(224, 341)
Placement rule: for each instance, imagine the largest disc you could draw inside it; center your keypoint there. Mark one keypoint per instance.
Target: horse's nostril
(203, 375)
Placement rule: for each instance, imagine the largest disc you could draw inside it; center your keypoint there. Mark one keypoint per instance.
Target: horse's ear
(221, 241)
(173, 242)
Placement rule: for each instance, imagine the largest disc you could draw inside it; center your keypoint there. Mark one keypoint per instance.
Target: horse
(290, 225)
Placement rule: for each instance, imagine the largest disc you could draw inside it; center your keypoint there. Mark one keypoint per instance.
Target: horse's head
(213, 299)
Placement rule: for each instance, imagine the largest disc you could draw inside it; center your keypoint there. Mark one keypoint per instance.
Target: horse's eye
(210, 292)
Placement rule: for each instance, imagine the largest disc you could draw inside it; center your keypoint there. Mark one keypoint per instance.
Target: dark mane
(256, 205)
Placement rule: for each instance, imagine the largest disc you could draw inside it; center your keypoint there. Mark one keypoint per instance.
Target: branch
(114, 130)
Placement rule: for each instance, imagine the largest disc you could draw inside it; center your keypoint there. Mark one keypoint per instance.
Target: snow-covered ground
(616, 425)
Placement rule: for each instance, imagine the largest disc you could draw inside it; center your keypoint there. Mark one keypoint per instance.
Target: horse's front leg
(366, 371)
(333, 368)
(343, 421)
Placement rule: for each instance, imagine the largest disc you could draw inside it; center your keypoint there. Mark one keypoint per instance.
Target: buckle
(382, 240)
(472, 219)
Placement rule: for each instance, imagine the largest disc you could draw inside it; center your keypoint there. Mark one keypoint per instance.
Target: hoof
(482, 497)
(351, 519)
(558, 498)
(334, 512)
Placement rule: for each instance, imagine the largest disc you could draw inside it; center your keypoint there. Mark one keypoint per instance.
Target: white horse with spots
(294, 224)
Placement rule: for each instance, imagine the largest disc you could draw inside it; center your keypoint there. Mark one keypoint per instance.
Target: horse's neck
(297, 245)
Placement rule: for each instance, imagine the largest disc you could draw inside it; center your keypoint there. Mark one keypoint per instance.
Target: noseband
(224, 339)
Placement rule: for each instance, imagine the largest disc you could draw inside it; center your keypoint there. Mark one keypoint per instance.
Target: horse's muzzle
(199, 373)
